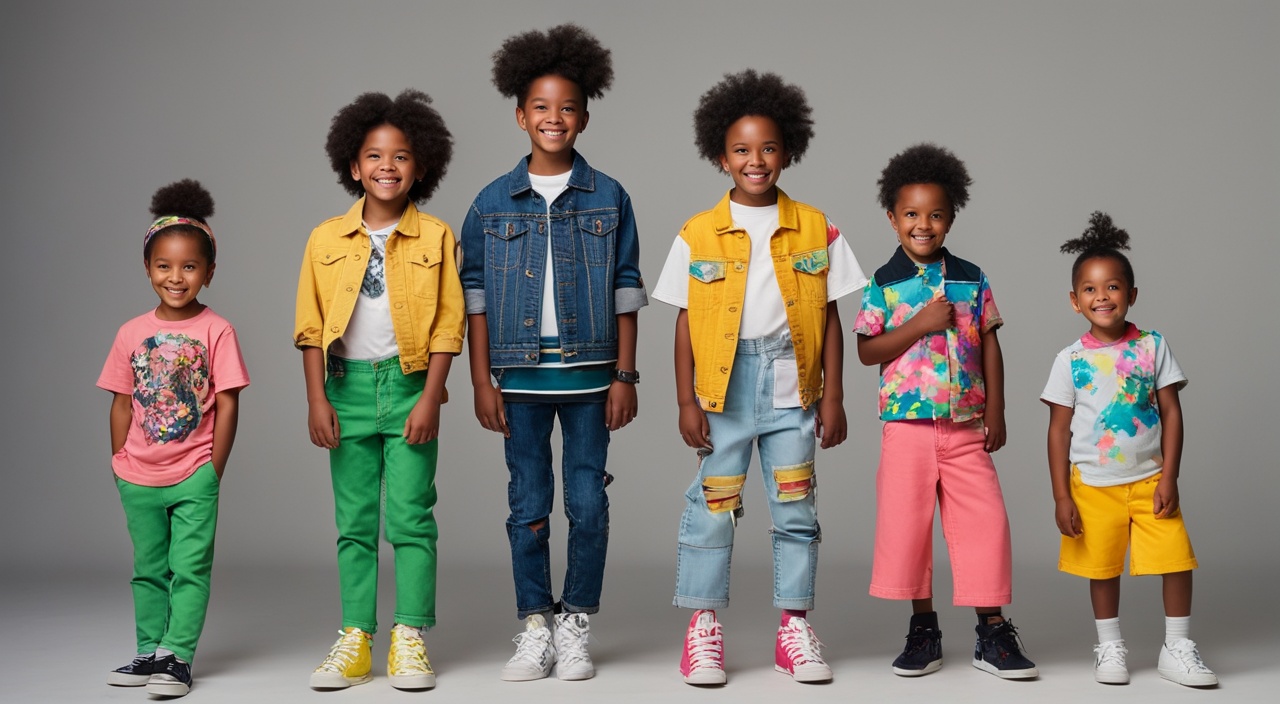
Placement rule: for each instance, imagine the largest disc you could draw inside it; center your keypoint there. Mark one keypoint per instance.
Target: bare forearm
(1170, 431)
(1059, 446)
(628, 325)
(121, 416)
(833, 356)
(478, 348)
(313, 371)
(993, 372)
(684, 361)
(438, 365)
(225, 423)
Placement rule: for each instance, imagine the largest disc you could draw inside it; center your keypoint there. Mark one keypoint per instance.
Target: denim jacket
(595, 257)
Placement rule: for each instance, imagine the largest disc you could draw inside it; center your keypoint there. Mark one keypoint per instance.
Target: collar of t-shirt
(378, 238)
(550, 187)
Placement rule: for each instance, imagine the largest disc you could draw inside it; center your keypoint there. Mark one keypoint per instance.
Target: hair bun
(186, 198)
(1101, 234)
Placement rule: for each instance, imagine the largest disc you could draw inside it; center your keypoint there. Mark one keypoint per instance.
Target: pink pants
(923, 463)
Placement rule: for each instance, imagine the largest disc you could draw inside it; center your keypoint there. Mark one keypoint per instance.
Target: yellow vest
(719, 254)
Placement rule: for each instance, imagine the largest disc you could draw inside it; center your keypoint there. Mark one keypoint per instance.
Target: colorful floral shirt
(940, 375)
(1115, 426)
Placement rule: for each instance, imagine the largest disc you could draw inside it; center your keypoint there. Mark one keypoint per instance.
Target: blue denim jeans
(714, 500)
(586, 504)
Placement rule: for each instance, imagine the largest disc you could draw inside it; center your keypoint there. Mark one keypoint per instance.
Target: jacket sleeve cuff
(445, 344)
(474, 298)
(629, 300)
(303, 340)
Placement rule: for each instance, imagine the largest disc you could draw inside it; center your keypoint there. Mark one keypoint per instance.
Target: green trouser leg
(172, 528)
(371, 463)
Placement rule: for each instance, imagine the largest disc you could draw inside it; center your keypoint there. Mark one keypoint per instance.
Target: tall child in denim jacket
(552, 281)
(929, 320)
(756, 279)
(379, 319)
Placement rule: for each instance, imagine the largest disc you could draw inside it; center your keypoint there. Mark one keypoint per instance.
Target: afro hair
(565, 50)
(925, 163)
(188, 199)
(1102, 240)
(751, 93)
(412, 114)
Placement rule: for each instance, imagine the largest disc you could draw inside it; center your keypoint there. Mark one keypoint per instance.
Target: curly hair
(411, 113)
(188, 199)
(565, 50)
(751, 93)
(925, 163)
(1101, 240)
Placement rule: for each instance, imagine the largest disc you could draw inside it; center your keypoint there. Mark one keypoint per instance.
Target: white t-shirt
(1115, 426)
(763, 312)
(550, 188)
(370, 334)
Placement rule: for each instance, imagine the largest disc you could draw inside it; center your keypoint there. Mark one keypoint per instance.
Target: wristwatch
(626, 377)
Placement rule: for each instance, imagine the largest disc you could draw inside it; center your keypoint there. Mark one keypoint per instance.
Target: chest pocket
(596, 235)
(505, 242)
(326, 267)
(706, 283)
(424, 271)
(811, 270)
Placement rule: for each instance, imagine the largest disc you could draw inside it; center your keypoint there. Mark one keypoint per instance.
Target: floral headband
(171, 220)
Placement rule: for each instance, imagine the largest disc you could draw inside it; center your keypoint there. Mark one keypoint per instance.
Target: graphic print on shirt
(170, 382)
(375, 276)
(1133, 408)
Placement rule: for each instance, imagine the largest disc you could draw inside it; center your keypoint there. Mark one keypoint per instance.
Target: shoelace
(1187, 653)
(706, 647)
(571, 647)
(530, 645)
(800, 644)
(343, 654)
(920, 639)
(1006, 640)
(408, 652)
(140, 660)
(1110, 653)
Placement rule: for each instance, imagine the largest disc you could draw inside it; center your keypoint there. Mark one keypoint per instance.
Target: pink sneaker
(798, 652)
(703, 658)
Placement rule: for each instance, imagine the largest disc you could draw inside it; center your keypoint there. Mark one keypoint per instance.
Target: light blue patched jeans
(714, 501)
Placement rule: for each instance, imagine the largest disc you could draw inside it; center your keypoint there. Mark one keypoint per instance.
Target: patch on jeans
(723, 493)
(794, 482)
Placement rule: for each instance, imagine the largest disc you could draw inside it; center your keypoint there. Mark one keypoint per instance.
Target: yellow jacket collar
(722, 219)
(353, 220)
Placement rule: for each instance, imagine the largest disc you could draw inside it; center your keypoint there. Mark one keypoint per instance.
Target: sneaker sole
(331, 680)
(575, 675)
(1187, 679)
(1025, 674)
(422, 681)
(523, 675)
(1111, 677)
(930, 668)
(119, 679)
(706, 676)
(168, 689)
(811, 676)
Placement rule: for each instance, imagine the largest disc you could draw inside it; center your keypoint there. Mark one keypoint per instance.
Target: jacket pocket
(706, 283)
(505, 242)
(811, 276)
(424, 272)
(597, 234)
(327, 266)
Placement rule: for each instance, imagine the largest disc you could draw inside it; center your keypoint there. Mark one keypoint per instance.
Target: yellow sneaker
(348, 662)
(407, 665)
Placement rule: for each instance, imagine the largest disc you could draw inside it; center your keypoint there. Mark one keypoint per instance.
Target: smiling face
(922, 216)
(1103, 295)
(178, 270)
(554, 113)
(386, 168)
(755, 157)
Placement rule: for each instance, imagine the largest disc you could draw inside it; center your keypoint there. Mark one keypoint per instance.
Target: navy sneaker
(997, 651)
(172, 677)
(923, 653)
(135, 674)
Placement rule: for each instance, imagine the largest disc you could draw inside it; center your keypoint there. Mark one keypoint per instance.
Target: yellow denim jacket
(422, 282)
(719, 254)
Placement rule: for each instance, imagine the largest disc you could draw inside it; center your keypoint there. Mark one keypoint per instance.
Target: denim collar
(582, 177)
(902, 267)
(722, 218)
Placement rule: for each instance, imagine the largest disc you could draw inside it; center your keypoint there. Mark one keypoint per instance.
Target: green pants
(172, 530)
(372, 468)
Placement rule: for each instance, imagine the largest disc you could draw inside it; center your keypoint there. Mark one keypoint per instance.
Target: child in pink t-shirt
(176, 372)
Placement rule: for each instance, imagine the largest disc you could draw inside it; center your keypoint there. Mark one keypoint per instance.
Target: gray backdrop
(1164, 114)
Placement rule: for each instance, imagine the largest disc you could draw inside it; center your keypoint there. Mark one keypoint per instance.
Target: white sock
(1176, 628)
(165, 652)
(1108, 629)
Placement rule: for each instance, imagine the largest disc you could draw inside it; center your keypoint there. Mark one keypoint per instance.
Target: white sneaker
(798, 652)
(574, 662)
(1109, 665)
(535, 654)
(1181, 663)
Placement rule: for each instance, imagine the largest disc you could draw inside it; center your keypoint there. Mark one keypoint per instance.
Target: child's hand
(1165, 501)
(423, 424)
(831, 426)
(937, 315)
(1067, 517)
(993, 426)
(621, 406)
(694, 427)
(489, 409)
(322, 422)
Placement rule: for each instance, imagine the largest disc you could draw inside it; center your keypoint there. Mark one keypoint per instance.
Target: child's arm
(832, 426)
(993, 376)
(1166, 497)
(1064, 507)
(693, 421)
(225, 421)
(423, 424)
(936, 316)
(488, 398)
(322, 420)
(622, 405)
(121, 416)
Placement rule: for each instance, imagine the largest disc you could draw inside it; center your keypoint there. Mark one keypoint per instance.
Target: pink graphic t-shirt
(173, 371)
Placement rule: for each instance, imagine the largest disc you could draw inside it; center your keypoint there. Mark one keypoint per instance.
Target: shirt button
(738, 267)
(425, 258)
(333, 329)
(790, 303)
(357, 257)
(724, 370)
(713, 404)
(733, 309)
(350, 288)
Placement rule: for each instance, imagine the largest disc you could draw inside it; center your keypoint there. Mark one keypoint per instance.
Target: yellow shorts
(1113, 518)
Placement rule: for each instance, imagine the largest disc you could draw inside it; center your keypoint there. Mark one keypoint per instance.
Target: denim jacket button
(540, 227)
(532, 356)
(528, 273)
(528, 322)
